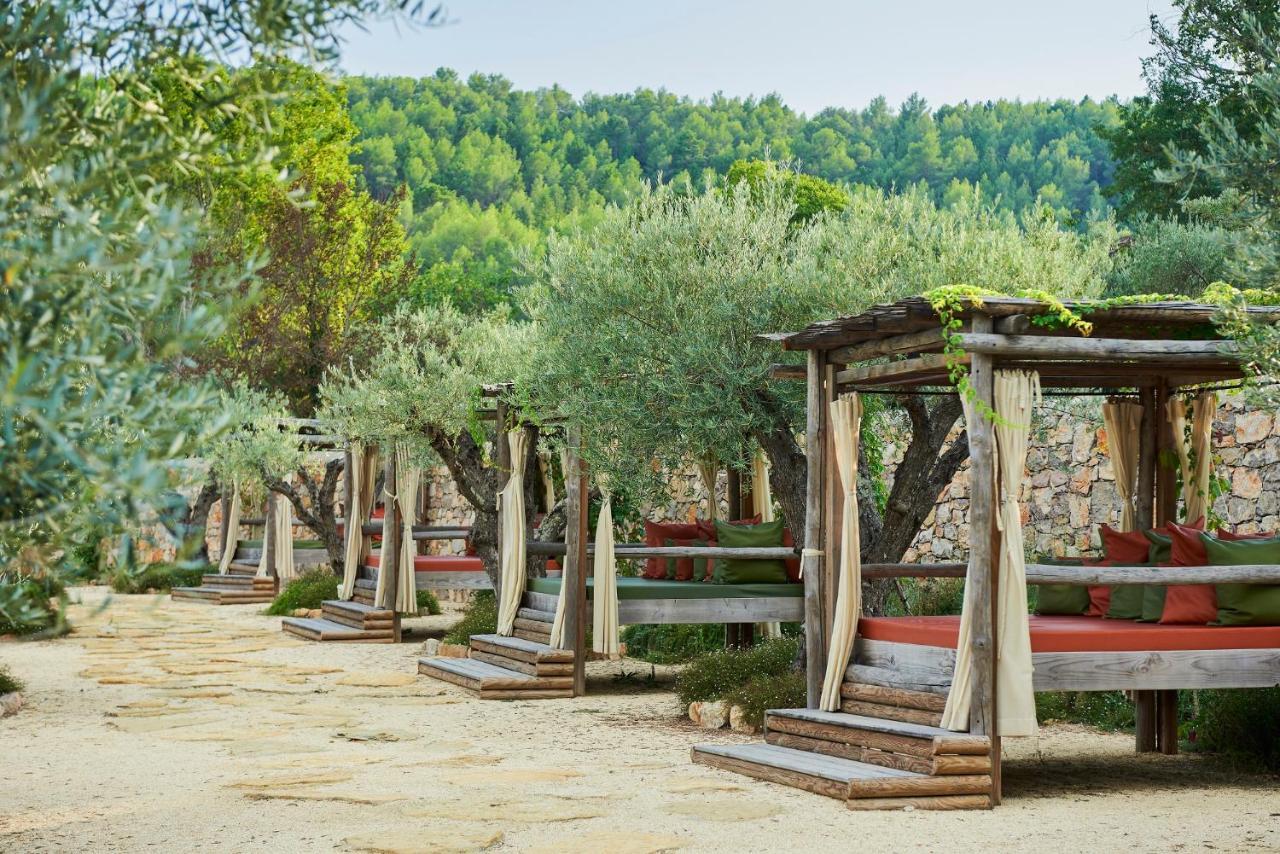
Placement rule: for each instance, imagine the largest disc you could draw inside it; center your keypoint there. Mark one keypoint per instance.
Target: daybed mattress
(434, 563)
(649, 588)
(1079, 634)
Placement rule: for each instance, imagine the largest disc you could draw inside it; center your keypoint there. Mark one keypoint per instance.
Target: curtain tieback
(812, 553)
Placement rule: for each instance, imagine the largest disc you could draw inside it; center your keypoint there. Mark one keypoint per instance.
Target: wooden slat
(1156, 671)
(906, 787)
(1096, 349)
(814, 542)
(911, 342)
(915, 664)
(889, 678)
(808, 783)
(1039, 573)
(635, 612)
(536, 694)
(524, 650)
(839, 749)
(921, 747)
(942, 802)
(933, 366)
(930, 702)
(892, 713)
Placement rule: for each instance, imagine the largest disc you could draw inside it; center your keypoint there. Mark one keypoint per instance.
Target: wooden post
(268, 534)
(1144, 702)
(573, 579)
(983, 552)
(1165, 706)
(811, 560)
(832, 508)
(389, 566)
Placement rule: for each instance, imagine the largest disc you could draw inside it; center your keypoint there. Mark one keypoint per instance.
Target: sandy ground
(179, 727)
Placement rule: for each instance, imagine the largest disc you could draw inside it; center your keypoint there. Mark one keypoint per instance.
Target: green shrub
(30, 605)
(308, 590)
(672, 644)
(428, 602)
(8, 682)
(714, 675)
(1110, 710)
(780, 691)
(157, 577)
(928, 597)
(1242, 725)
(480, 618)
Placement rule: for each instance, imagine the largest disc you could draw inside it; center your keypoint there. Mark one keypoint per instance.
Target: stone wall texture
(1068, 491)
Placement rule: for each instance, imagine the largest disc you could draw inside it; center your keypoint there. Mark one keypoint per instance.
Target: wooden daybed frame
(1149, 351)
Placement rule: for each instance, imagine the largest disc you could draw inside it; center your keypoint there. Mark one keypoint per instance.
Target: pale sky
(814, 53)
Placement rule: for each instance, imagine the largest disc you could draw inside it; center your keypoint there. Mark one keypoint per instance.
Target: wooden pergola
(1148, 352)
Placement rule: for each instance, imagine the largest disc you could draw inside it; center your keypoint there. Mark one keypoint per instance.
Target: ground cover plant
(479, 618)
(9, 683)
(756, 678)
(308, 590)
(157, 578)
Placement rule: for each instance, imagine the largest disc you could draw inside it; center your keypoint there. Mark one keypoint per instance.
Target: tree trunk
(321, 514)
(479, 485)
(188, 520)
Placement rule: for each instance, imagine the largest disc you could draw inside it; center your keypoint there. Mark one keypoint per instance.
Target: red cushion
(685, 566)
(656, 534)
(1124, 548)
(1188, 604)
(435, 563)
(1099, 594)
(708, 527)
(792, 563)
(1231, 536)
(1080, 634)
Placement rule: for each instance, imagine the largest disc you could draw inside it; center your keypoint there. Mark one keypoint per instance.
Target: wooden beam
(1096, 349)
(832, 508)
(911, 342)
(390, 563)
(1014, 324)
(811, 562)
(268, 535)
(786, 372)
(1039, 573)
(574, 579)
(503, 459)
(1145, 500)
(929, 366)
(226, 537)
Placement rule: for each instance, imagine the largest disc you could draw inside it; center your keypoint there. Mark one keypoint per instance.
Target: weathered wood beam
(811, 562)
(911, 342)
(932, 365)
(786, 372)
(1039, 573)
(1096, 349)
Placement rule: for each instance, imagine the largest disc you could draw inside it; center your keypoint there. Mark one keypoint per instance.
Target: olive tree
(653, 325)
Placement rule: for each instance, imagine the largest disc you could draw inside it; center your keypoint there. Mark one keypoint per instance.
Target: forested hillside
(491, 169)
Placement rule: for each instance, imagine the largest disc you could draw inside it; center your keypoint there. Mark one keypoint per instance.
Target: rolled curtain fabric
(1123, 420)
(846, 416)
(1195, 489)
(709, 470)
(1016, 395)
(604, 600)
(955, 715)
(233, 530)
(762, 505)
(388, 500)
(512, 556)
(268, 539)
(408, 477)
(286, 570)
(357, 511)
(557, 624)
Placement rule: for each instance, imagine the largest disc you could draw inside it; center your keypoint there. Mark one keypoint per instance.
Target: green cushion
(1061, 599)
(749, 570)
(699, 563)
(1126, 602)
(1245, 604)
(1161, 551)
(297, 544)
(649, 588)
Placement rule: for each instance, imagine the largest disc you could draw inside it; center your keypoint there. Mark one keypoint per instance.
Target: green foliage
(672, 644)
(309, 590)
(157, 578)
(1167, 257)
(480, 618)
(31, 604)
(428, 603)
(9, 683)
(811, 196)
(492, 170)
(1108, 710)
(776, 691)
(714, 675)
(1241, 725)
(927, 597)
(254, 450)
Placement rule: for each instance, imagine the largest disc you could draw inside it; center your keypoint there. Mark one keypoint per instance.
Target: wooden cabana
(886, 746)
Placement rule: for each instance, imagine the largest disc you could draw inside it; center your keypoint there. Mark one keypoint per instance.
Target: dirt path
(180, 727)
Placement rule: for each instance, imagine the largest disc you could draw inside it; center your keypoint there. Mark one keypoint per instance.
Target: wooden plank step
(935, 739)
(327, 630)
(543, 638)
(823, 775)
(892, 713)
(215, 596)
(479, 675)
(234, 568)
(903, 697)
(519, 648)
(357, 622)
(888, 678)
(547, 617)
(945, 802)
(357, 610)
(937, 765)
(537, 626)
(543, 668)
(559, 694)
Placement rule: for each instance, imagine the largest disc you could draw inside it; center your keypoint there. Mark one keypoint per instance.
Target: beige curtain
(511, 513)
(388, 514)
(557, 625)
(762, 506)
(278, 537)
(408, 479)
(846, 416)
(604, 599)
(233, 530)
(1016, 395)
(1123, 421)
(357, 512)
(1194, 458)
(709, 470)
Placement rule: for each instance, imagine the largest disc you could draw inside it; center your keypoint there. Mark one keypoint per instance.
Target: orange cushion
(1099, 594)
(435, 563)
(656, 534)
(1190, 604)
(1124, 548)
(1080, 634)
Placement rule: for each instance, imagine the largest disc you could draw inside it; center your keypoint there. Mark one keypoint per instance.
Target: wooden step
(542, 668)
(542, 638)
(357, 622)
(822, 775)
(242, 569)
(547, 617)
(328, 630)
(942, 802)
(222, 596)
(238, 582)
(892, 713)
(537, 626)
(357, 610)
(876, 733)
(520, 649)
(493, 682)
(937, 765)
(902, 697)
